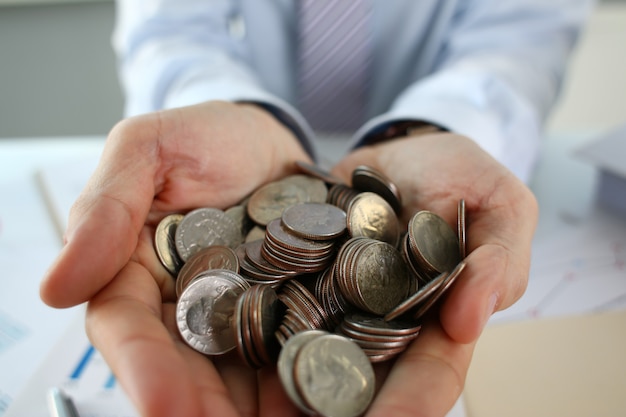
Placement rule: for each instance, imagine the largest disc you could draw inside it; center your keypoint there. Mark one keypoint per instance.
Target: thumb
(104, 225)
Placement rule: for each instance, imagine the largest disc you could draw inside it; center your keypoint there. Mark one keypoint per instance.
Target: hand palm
(196, 162)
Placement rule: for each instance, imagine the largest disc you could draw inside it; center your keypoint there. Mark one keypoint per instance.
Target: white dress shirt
(487, 69)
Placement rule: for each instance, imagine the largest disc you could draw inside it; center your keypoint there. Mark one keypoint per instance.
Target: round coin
(461, 226)
(365, 178)
(165, 243)
(268, 202)
(381, 278)
(369, 215)
(285, 363)
(435, 242)
(334, 376)
(204, 227)
(213, 257)
(205, 308)
(315, 221)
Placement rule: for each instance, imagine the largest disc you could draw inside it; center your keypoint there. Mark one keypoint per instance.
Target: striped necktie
(333, 62)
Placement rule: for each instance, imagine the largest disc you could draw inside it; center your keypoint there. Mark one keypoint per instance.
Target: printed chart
(581, 270)
(79, 370)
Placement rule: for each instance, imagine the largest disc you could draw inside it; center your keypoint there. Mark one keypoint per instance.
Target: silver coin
(204, 227)
(165, 243)
(213, 257)
(316, 221)
(462, 228)
(268, 202)
(315, 188)
(285, 362)
(418, 298)
(365, 178)
(334, 376)
(433, 241)
(370, 215)
(205, 308)
(427, 305)
(380, 277)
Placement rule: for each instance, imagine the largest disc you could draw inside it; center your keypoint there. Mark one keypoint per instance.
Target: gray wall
(58, 76)
(57, 70)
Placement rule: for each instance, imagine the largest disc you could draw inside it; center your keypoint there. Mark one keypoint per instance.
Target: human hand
(212, 154)
(433, 172)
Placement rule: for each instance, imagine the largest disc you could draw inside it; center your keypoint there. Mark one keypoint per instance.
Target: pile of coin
(304, 254)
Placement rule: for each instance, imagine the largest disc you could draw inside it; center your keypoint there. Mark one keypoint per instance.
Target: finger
(240, 381)
(427, 378)
(499, 242)
(162, 377)
(104, 223)
(273, 400)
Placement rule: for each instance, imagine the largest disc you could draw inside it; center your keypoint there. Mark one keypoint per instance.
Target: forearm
(497, 75)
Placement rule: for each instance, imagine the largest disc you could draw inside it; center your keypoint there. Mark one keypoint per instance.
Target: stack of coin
(288, 250)
(302, 304)
(326, 374)
(255, 318)
(380, 339)
(372, 275)
(328, 293)
(341, 195)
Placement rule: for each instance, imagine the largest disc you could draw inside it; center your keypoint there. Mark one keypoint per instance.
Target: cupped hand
(433, 172)
(211, 154)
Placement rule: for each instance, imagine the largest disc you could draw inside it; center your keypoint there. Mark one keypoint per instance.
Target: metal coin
(257, 232)
(365, 178)
(213, 257)
(434, 242)
(334, 376)
(204, 310)
(315, 188)
(286, 361)
(315, 221)
(341, 195)
(440, 291)
(380, 277)
(376, 325)
(239, 214)
(268, 202)
(369, 215)
(462, 228)
(165, 243)
(204, 227)
(279, 234)
(418, 298)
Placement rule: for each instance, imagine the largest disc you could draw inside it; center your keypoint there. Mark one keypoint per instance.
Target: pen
(60, 404)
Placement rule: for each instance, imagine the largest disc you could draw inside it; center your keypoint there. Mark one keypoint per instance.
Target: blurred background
(58, 74)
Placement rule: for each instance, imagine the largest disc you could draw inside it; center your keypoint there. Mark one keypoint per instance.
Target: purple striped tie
(333, 60)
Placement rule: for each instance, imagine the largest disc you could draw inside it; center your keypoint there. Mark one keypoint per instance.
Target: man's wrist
(401, 128)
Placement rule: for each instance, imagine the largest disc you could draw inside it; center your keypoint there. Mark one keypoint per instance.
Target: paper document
(77, 368)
